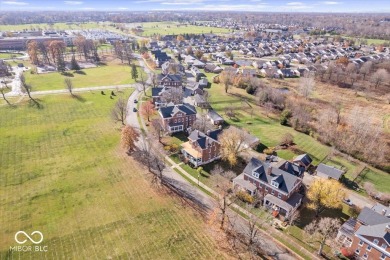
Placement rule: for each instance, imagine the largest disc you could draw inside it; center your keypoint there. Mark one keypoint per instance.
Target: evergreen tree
(134, 72)
(73, 64)
(60, 63)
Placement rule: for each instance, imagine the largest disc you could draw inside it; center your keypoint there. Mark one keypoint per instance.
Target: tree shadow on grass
(36, 103)
(67, 74)
(187, 196)
(79, 98)
(80, 72)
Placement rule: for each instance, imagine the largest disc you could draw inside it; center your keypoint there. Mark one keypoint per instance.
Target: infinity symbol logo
(32, 240)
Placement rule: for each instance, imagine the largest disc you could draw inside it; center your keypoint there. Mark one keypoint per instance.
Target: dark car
(135, 101)
(134, 110)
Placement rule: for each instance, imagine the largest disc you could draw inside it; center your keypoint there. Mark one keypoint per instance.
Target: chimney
(388, 228)
(269, 170)
(383, 212)
(208, 132)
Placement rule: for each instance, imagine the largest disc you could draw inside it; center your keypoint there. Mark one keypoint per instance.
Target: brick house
(177, 118)
(169, 80)
(368, 236)
(278, 187)
(202, 148)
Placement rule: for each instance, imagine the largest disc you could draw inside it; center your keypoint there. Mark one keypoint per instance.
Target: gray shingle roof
(167, 111)
(286, 180)
(378, 230)
(331, 171)
(203, 139)
(370, 217)
(304, 158)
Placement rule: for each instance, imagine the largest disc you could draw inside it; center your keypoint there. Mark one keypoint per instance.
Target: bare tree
(143, 82)
(365, 69)
(224, 202)
(226, 78)
(232, 143)
(202, 124)
(119, 111)
(320, 231)
(306, 86)
(174, 95)
(158, 128)
(68, 85)
(3, 94)
(27, 88)
(379, 77)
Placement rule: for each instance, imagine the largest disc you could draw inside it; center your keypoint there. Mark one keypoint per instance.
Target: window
(275, 184)
(279, 196)
(357, 251)
(361, 243)
(369, 248)
(365, 256)
(255, 174)
(266, 189)
(376, 241)
(383, 257)
(273, 192)
(384, 246)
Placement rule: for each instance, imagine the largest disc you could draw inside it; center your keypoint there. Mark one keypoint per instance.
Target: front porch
(192, 155)
(175, 128)
(283, 208)
(346, 233)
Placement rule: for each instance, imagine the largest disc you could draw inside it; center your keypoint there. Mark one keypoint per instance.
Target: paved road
(190, 192)
(75, 90)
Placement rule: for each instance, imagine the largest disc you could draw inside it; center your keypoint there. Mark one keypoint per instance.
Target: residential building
(169, 80)
(303, 160)
(368, 236)
(278, 187)
(202, 148)
(177, 118)
(214, 117)
(328, 172)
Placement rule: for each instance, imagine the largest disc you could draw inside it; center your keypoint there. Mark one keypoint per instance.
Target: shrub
(174, 148)
(250, 90)
(269, 151)
(285, 116)
(167, 148)
(245, 197)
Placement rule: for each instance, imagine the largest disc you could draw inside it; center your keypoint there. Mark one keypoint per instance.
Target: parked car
(135, 101)
(134, 110)
(348, 202)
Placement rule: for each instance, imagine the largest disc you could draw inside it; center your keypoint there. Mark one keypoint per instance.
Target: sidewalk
(237, 209)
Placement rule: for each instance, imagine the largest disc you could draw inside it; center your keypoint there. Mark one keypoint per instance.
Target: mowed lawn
(57, 26)
(270, 132)
(267, 129)
(109, 75)
(4, 55)
(166, 28)
(64, 174)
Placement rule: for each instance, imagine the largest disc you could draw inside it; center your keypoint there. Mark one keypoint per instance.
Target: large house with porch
(202, 148)
(169, 80)
(278, 187)
(367, 236)
(177, 118)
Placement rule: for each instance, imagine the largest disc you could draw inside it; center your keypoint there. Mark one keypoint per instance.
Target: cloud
(73, 2)
(14, 3)
(224, 7)
(295, 3)
(331, 3)
(123, 8)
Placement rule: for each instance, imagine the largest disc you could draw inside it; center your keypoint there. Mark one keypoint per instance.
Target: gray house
(328, 172)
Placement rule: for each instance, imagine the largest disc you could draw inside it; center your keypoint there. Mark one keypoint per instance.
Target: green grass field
(4, 55)
(100, 76)
(63, 173)
(270, 132)
(57, 26)
(165, 28)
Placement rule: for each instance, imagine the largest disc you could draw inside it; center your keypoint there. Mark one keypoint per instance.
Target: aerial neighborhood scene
(195, 129)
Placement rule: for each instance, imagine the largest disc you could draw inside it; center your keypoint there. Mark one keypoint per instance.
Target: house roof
(285, 180)
(369, 217)
(157, 91)
(168, 111)
(193, 152)
(304, 158)
(381, 209)
(214, 115)
(291, 168)
(379, 230)
(169, 77)
(331, 171)
(243, 183)
(202, 139)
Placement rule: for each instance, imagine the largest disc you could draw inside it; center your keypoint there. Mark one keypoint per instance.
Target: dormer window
(275, 184)
(376, 241)
(255, 174)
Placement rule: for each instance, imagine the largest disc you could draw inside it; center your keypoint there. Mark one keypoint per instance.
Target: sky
(201, 5)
